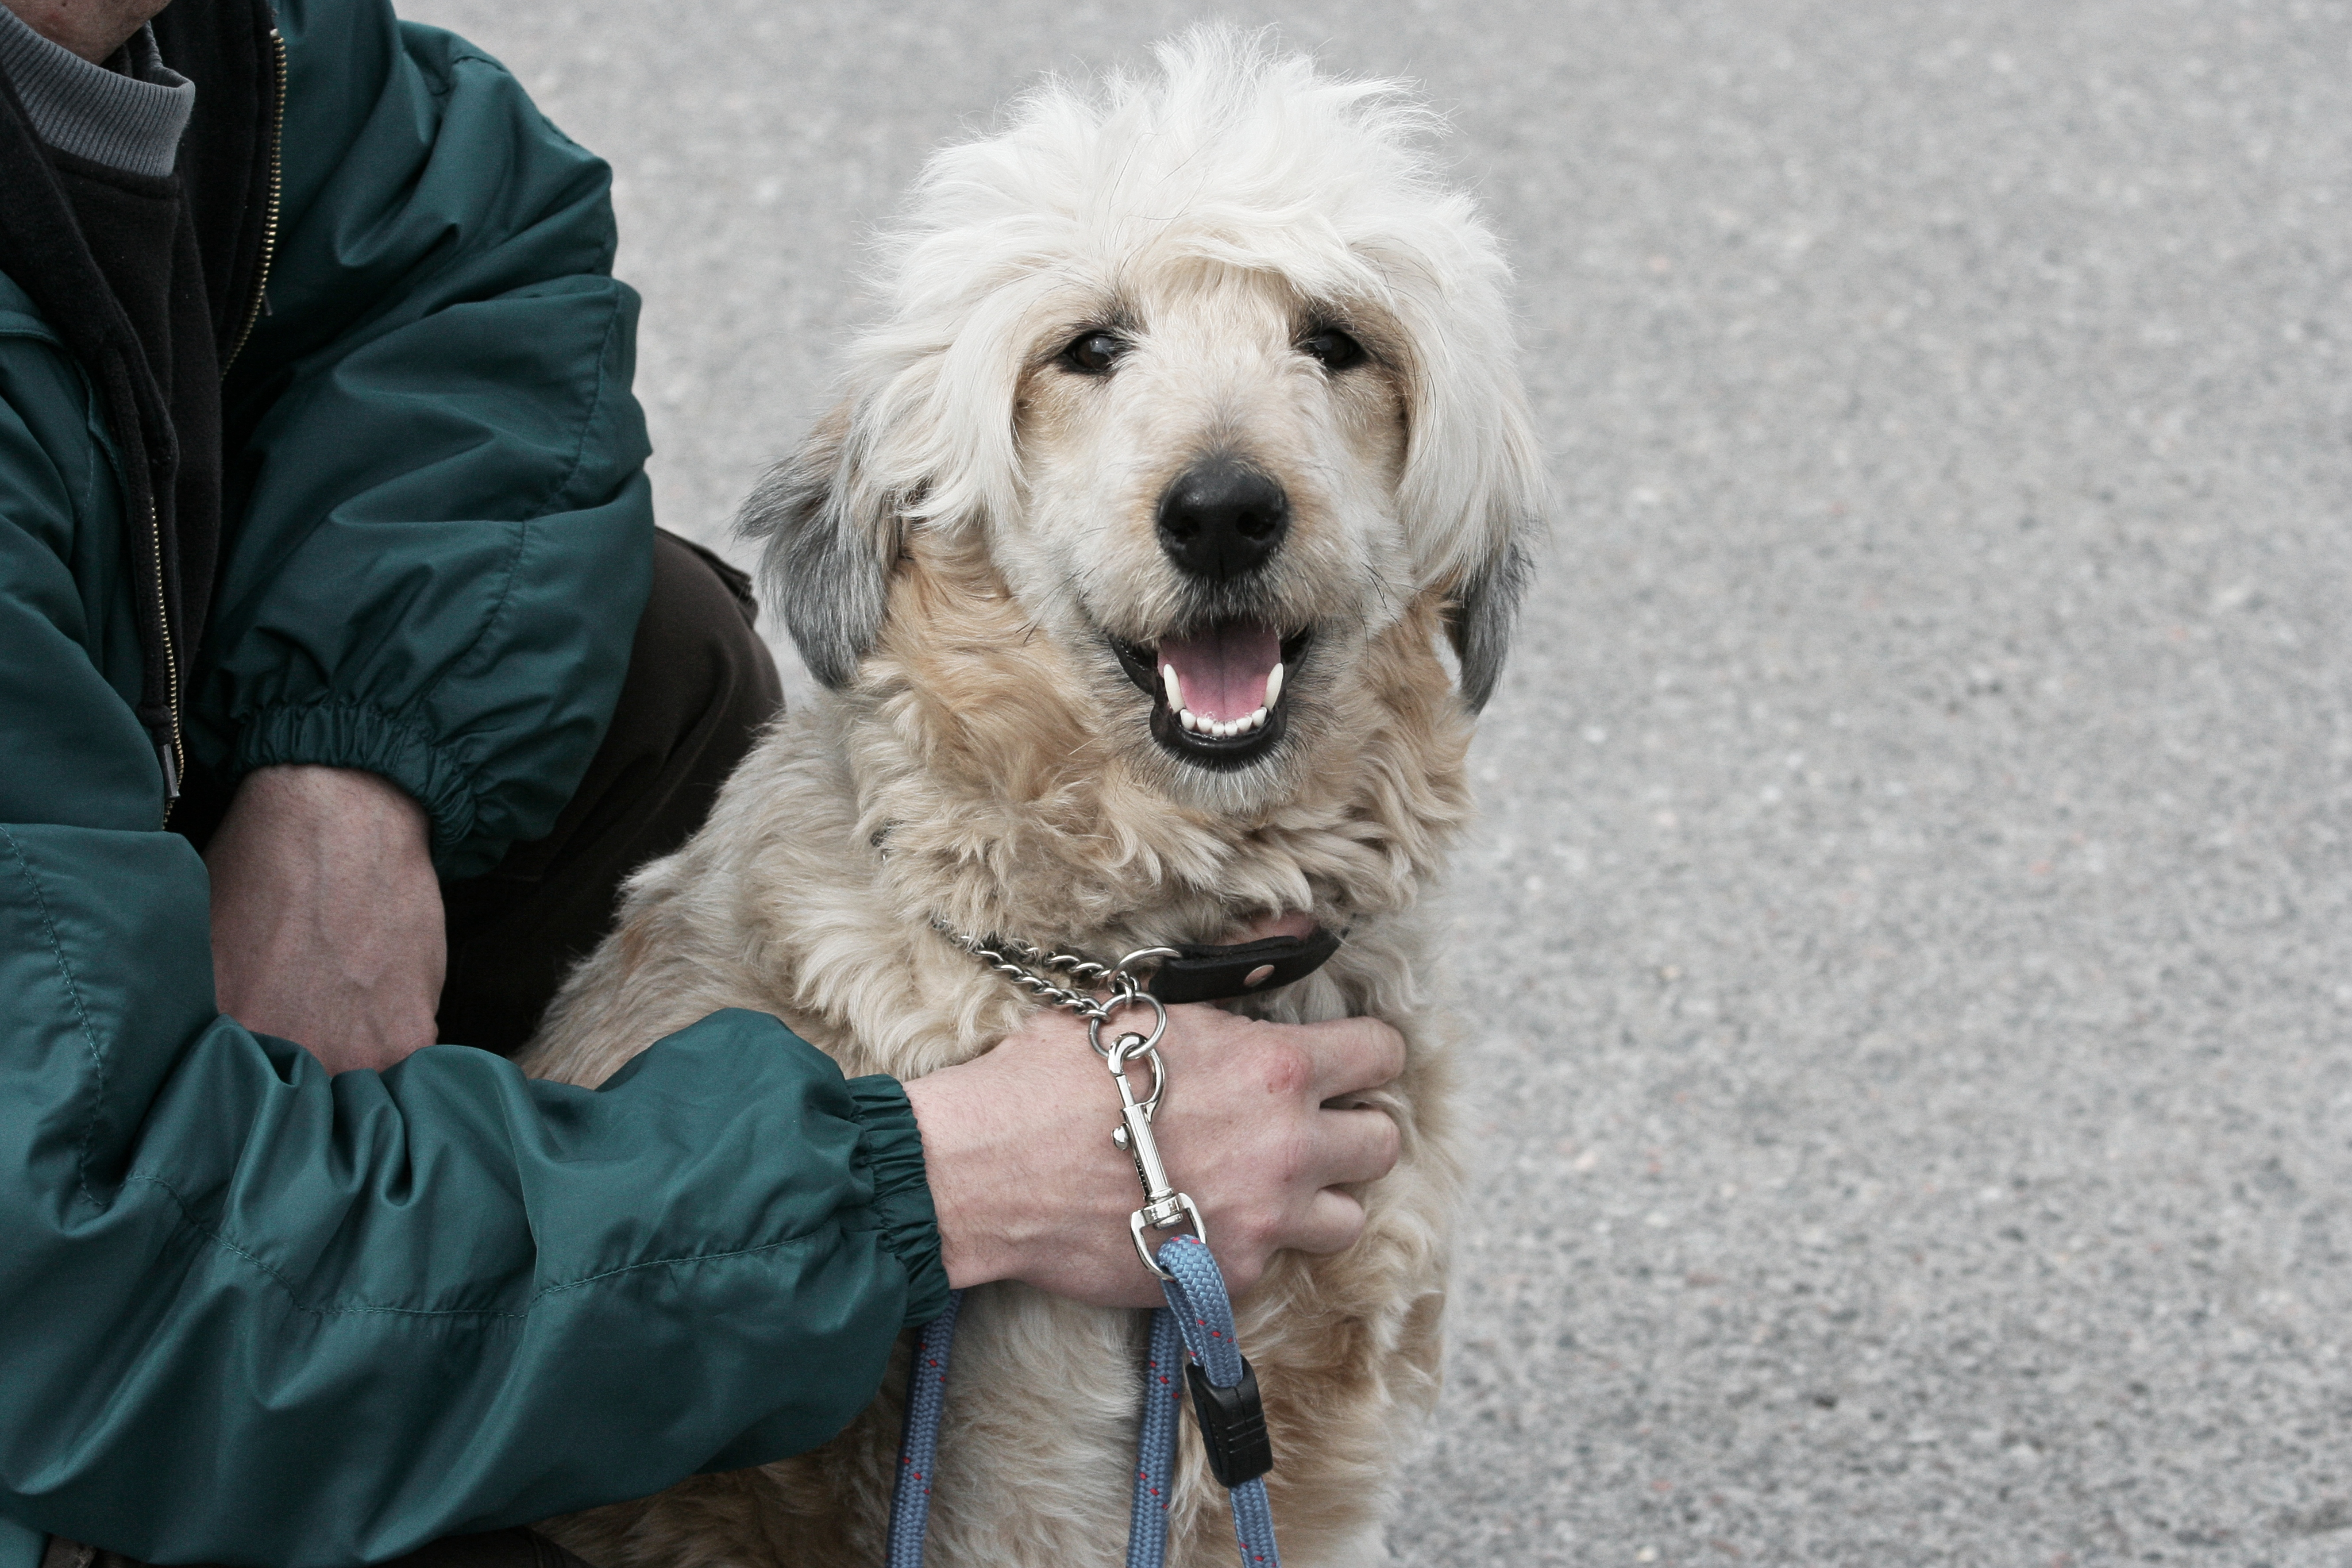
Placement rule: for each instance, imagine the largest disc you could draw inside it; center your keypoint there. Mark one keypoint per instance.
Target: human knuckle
(1289, 1067)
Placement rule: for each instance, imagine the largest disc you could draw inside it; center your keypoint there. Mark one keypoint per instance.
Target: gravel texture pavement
(1907, 944)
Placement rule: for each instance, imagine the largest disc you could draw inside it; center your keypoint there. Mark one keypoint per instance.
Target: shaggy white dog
(1192, 433)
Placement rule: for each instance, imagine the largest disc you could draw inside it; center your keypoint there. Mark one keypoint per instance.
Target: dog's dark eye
(1335, 348)
(1093, 353)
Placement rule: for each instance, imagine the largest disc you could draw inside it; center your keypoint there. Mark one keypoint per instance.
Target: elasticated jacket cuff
(892, 1149)
(353, 735)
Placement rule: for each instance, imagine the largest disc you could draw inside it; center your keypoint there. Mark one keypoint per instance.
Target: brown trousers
(701, 685)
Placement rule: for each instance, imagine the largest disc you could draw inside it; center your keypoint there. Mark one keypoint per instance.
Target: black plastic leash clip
(1233, 1426)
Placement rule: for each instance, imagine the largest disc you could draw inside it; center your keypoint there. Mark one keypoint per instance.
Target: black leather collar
(1203, 973)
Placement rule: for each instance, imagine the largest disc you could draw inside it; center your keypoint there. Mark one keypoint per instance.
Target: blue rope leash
(1155, 1445)
(918, 1448)
(1192, 1339)
(1224, 1397)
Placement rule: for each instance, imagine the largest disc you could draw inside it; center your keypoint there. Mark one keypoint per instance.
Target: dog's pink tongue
(1224, 669)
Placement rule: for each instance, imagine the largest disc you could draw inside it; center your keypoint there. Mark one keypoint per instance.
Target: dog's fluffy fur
(954, 549)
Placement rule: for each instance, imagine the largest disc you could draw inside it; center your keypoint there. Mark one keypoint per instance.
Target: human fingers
(1331, 1223)
(1360, 1145)
(1351, 1056)
(1290, 922)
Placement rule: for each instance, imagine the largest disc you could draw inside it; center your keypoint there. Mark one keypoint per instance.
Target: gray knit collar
(127, 114)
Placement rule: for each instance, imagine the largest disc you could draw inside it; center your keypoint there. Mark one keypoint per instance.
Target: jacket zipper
(269, 213)
(170, 751)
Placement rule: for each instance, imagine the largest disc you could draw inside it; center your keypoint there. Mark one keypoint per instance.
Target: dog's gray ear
(826, 565)
(1478, 621)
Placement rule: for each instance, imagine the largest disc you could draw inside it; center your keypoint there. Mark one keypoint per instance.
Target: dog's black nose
(1220, 519)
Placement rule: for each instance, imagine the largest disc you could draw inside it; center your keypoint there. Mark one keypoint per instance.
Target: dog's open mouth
(1216, 693)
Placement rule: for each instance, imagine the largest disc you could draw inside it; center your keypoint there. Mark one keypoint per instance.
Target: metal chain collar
(1012, 958)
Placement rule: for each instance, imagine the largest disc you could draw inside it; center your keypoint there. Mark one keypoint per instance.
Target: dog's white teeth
(1221, 729)
(1274, 687)
(1175, 687)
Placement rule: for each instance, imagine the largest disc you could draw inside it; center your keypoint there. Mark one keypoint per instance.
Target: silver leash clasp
(1164, 1209)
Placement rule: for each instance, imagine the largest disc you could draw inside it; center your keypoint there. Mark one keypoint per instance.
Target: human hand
(1029, 1186)
(326, 916)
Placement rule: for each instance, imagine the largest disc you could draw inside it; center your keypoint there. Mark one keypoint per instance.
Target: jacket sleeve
(249, 1314)
(446, 531)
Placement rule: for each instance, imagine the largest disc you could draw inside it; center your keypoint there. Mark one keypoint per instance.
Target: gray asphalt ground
(1907, 944)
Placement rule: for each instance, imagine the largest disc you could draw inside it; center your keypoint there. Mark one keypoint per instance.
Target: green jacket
(251, 1314)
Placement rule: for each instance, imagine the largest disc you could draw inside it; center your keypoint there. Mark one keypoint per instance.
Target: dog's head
(1218, 377)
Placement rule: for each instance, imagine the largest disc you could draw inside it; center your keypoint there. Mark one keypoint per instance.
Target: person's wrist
(974, 1246)
(314, 798)
(326, 914)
